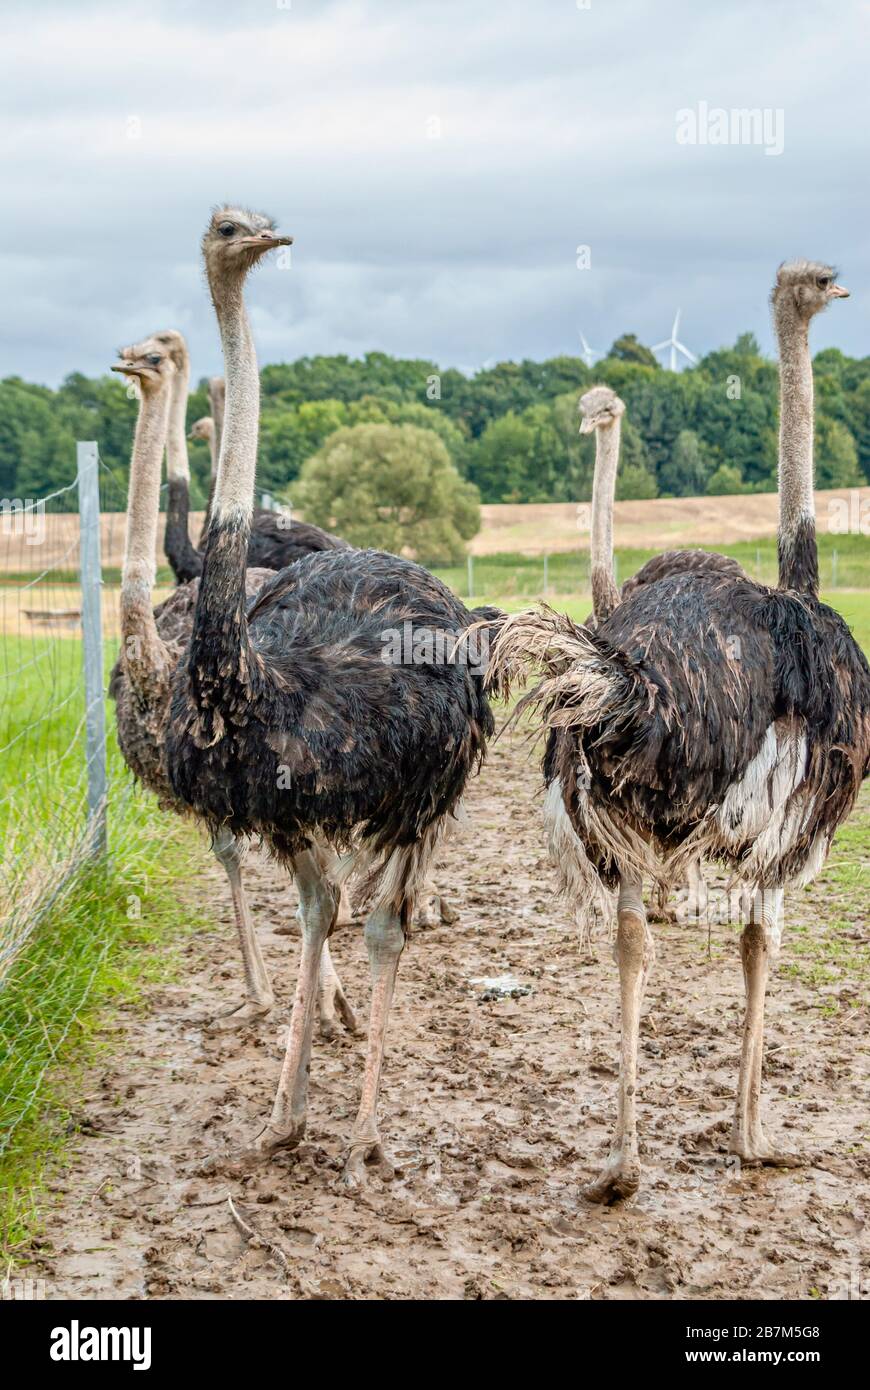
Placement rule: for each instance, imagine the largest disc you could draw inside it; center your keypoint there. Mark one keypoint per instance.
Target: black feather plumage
(307, 729)
(275, 540)
(701, 668)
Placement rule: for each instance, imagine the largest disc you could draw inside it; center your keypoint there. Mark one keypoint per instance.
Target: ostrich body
(708, 715)
(151, 644)
(288, 722)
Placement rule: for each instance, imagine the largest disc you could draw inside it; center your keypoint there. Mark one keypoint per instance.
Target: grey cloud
(557, 129)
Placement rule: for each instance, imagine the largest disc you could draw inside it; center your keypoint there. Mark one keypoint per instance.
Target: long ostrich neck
(239, 429)
(180, 552)
(798, 552)
(605, 595)
(177, 465)
(219, 648)
(142, 649)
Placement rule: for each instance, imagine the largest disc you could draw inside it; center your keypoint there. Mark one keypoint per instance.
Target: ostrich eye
(226, 229)
(154, 359)
(823, 281)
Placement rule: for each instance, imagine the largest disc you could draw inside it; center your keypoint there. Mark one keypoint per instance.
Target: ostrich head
(149, 362)
(203, 428)
(809, 286)
(234, 242)
(599, 409)
(173, 342)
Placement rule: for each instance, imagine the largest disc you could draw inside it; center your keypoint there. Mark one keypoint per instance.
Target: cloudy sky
(438, 163)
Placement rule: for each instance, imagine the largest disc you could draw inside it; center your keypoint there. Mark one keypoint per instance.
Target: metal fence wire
(54, 778)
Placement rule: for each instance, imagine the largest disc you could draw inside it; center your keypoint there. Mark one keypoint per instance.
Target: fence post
(92, 642)
(266, 501)
(546, 575)
(470, 575)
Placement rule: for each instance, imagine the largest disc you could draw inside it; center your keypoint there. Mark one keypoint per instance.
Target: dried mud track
(497, 1113)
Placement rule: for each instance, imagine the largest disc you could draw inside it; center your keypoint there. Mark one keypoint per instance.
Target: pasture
(496, 1105)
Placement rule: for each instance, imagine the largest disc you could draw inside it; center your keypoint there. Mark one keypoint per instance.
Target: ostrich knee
(227, 850)
(385, 940)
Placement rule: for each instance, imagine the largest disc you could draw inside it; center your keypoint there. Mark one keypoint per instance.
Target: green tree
(724, 481)
(390, 486)
(499, 460)
(635, 479)
(628, 349)
(836, 456)
(690, 465)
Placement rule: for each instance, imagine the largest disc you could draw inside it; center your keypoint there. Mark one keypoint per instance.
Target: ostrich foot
(428, 910)
(239, 1016)
(619, 1180)
(332, 1000)
(449, 914)
(660, 908)
(433, 909)
(758, 1153)
(365, 1156)
(245, 1157)
(333, 1006)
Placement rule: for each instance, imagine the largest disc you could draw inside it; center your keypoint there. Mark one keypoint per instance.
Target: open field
(672, 522)
(496, 1112)
(527, 529)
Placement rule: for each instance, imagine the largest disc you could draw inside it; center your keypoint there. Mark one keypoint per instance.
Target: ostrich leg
(332, 1000)
(385, 940)
(759, 948)
(318, 903)
(634, 954)
(229, 853)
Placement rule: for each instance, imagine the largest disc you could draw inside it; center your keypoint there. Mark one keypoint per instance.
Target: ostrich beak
(587, 425)
(266, 242)
(127, 369)
(837, 292)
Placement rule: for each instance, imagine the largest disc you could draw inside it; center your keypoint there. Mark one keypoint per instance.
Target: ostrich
(601, 412)
(708, 715)
(151, 642)
(288, 722)
(275, 540)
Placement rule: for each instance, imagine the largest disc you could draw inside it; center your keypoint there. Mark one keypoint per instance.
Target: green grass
(102, 942)
(513, 575)
(827, 961)
(93, 928)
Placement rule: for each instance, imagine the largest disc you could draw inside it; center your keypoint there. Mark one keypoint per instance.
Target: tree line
(510, 431)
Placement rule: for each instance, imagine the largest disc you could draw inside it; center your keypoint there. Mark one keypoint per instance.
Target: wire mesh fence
(46, 762)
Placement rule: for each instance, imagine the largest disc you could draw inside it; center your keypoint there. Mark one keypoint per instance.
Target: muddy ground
(497, 1111)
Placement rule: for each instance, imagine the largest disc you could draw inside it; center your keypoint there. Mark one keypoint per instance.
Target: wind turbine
(588, 354)
(675, 345)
